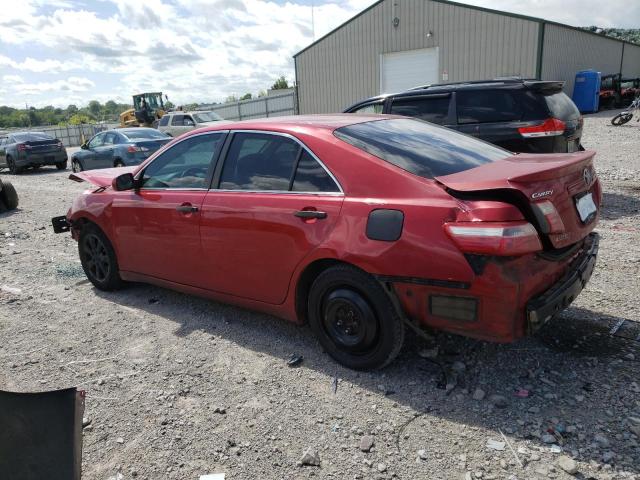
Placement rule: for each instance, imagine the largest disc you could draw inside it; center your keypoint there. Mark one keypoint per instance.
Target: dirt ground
(178, 386)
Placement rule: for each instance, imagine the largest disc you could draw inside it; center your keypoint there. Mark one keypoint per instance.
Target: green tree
(262, 93)
(168, 105)
(280, 84)
(95, 108)
(246, 96)
(79, 119)
(231, 98)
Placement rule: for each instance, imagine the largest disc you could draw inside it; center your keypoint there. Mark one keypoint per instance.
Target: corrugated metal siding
(345, 66)
(631, 61)
(568, 51)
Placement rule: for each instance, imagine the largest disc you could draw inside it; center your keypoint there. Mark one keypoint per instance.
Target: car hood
(102, 177)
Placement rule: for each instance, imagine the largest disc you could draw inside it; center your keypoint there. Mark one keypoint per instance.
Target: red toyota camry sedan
(358, 225)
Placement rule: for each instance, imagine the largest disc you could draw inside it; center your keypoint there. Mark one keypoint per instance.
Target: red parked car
(355, 224)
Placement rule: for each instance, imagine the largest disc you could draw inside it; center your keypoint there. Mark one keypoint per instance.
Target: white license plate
(586, 207)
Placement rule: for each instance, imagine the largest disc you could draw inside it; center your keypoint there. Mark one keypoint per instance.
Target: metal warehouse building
(398, 44)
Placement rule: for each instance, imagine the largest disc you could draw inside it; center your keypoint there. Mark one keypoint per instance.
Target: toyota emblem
(587, 175)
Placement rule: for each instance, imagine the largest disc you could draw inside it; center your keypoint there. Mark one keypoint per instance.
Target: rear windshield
(561, 106)
(202, 117)
(420, 147)
(31, 137)
(144, 134)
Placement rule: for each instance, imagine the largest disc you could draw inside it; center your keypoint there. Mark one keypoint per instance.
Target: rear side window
(486, 106)
(561, 106)
(311, 177)
(177, 120)
(419, 147)
(257, 161)
(164, 121)
(370, 108)
(433, 109)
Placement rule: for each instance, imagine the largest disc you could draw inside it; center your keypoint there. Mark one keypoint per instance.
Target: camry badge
(541, 194)
(587, 175)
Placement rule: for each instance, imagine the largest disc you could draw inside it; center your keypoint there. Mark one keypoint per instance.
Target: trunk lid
(42, 146)
(152, 144)
(102, 177)
(565, 180)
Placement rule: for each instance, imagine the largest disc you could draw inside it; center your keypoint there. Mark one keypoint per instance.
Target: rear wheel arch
(118, 162)
(306, 279)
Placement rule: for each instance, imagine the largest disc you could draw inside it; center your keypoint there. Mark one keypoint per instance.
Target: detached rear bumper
(541, 308)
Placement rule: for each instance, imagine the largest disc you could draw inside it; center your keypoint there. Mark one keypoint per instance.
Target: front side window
(370, 108)
(258, 161)
(487, 106)
(433, 109)
(420, 148)
(185, 165)
(97, 141)
(110, 138)
(187, 121)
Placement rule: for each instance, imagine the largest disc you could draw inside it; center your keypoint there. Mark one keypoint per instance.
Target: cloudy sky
(58, 52)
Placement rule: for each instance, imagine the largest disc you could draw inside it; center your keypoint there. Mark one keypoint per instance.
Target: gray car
(177, 123)
(120, 147)
(21, 150)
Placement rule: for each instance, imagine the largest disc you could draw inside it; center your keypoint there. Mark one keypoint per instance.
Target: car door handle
(310, 214)
(187, 209)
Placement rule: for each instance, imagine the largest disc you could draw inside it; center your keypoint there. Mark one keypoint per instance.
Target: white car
(177, 123)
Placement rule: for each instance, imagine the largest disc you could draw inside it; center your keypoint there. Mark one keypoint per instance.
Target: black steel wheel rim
(349, 321)
(96, 257)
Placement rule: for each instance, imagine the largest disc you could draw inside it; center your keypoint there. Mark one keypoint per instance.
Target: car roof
(295, 123)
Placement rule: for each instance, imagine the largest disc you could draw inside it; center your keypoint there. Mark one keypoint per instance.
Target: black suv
(519, 115)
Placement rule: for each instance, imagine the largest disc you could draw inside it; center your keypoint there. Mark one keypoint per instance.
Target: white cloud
(71, 84)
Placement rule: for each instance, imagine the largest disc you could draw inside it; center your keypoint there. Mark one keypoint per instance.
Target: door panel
(156, 239)
(252, 241)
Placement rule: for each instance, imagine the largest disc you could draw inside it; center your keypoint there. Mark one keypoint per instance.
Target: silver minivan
(177, 123)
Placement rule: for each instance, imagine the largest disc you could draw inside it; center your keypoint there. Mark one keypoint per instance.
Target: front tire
(98, 258)
(354, 318)
(118, 163)
(9, 196)
(76, 166)
(13, 168)
(621, 119)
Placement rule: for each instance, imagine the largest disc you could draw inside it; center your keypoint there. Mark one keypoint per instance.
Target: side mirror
(84, 146)
(123, 182)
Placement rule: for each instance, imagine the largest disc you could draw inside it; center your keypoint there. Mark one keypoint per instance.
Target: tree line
(91, 113)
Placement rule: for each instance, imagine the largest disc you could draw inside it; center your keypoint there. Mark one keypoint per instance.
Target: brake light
(136, 148)
(22, 147)
(59, 144)
(504, 239)
(551, 215)
(548, 128)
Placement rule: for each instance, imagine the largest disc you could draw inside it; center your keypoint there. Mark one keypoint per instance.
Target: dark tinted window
(434, 109)
(561, 106)
(144, 133)
(184, 165)
(177, 120)
(31, 137)
(164, 121)
(419, 147)
(257, 161)
(311, 177)
(484, 106)
(370, 108)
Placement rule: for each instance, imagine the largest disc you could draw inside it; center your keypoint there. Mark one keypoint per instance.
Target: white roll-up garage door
(403, 70)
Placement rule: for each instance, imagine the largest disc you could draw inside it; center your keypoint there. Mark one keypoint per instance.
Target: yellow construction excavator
(147, 109)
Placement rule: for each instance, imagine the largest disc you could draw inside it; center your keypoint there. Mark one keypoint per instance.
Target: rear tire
(354, 318)
(98, 258)
(61, 165)
(13, 168)
(9, 196)
(76, 166)
(118, 163)
(621, 119)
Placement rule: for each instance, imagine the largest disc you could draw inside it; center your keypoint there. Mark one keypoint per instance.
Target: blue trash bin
(586, 91)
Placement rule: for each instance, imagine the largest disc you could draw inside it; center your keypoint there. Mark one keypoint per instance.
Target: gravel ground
(178, 386)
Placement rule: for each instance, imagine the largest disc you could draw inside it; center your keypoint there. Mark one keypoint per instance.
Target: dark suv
(519, 115)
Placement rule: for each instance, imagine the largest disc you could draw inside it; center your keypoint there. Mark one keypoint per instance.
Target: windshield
(31, 137)
(202, 117)
(144, 134)
(419, 147)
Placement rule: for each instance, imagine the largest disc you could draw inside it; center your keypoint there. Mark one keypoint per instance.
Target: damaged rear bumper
(541, 308)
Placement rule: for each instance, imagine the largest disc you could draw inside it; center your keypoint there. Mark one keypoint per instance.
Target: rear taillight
(504, 239)
(551, 215)
(135, 148)
(548, 128)
(59, 144)
(23, 147)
